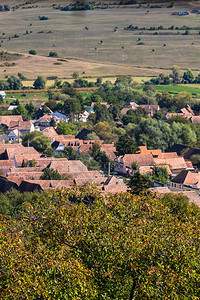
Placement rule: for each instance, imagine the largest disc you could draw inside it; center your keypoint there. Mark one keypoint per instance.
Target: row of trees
(175, 77)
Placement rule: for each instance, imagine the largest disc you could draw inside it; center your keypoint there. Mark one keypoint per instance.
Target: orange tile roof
(186, 177)
(25, 157)
(141, 159)
(154, 152)
(169, 155)
(176, 163)
(11, 152)
(70, 166)
(22, 125)
(5, 120)
(195, 119)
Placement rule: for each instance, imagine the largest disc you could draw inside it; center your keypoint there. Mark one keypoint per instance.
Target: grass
(177, 89)
(118, 54)
(22, 97)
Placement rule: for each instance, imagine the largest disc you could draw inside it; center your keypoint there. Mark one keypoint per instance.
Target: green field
(65, 33)
(177, 88)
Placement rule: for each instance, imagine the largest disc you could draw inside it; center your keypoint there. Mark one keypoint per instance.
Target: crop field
(104, 48)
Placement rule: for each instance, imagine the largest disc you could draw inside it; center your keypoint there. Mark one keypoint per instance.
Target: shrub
(33, 52)
(53, 54)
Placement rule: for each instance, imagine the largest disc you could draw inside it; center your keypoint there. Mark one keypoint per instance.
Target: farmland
(98, 50)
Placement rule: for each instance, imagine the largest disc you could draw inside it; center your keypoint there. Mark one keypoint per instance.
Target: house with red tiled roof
(184, 180)
(45, 121)
(123, 164)
(114, 185)
(146, 159)
(5, 120)
(51, 133)
(23, 126)
(69, 166)
(195, 119)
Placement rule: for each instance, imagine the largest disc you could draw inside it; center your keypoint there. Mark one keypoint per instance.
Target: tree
(176, 74)
(21, 110)
(53, 122)
(98, 246)
(95, 148)
(188, 76)
(33, 52)
(99, 81)
(40, 83)
(30, 109)
(138, 183)
(105, 131)
(63, 128)
(37, 140)
(164, 99)
(195, 159)
(126, 145)
(14, 83)
(50, 174)
(102, 113)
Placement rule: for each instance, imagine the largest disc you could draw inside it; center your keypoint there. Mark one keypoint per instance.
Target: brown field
(65, 33)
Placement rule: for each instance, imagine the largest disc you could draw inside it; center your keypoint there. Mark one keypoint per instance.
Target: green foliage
(42, 18)
(102, 113)
(188, 76)
(195, 159)
(115, 247)
(14, 83)
(63, 128)
(105, 131)
(157, 134)
(159, 174)
(33, 52)
(40, 83)
(37, 140)
(134, 116)
(53, 54)
(50, 174)
(126, 145)
(138, 183)
(20, 110)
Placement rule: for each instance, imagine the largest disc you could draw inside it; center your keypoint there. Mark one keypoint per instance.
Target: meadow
(195, 91)
(105, 48)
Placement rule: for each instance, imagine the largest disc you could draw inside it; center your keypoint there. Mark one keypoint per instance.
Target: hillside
(98, 36)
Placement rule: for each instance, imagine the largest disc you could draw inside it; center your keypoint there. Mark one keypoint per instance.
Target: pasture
(99, 50)
(195, 91)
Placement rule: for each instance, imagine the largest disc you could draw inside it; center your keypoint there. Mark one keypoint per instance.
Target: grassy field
(26, 97)
(178, 88)
(118, 53)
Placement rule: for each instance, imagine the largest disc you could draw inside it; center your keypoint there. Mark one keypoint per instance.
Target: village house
(45, 121)
(147, 159)
(21, 126)
(59, 116)
(185, 180)
(5, 120)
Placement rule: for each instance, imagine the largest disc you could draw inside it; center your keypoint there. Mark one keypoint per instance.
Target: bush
(53, 54)
(43, 18)
(33, 52)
